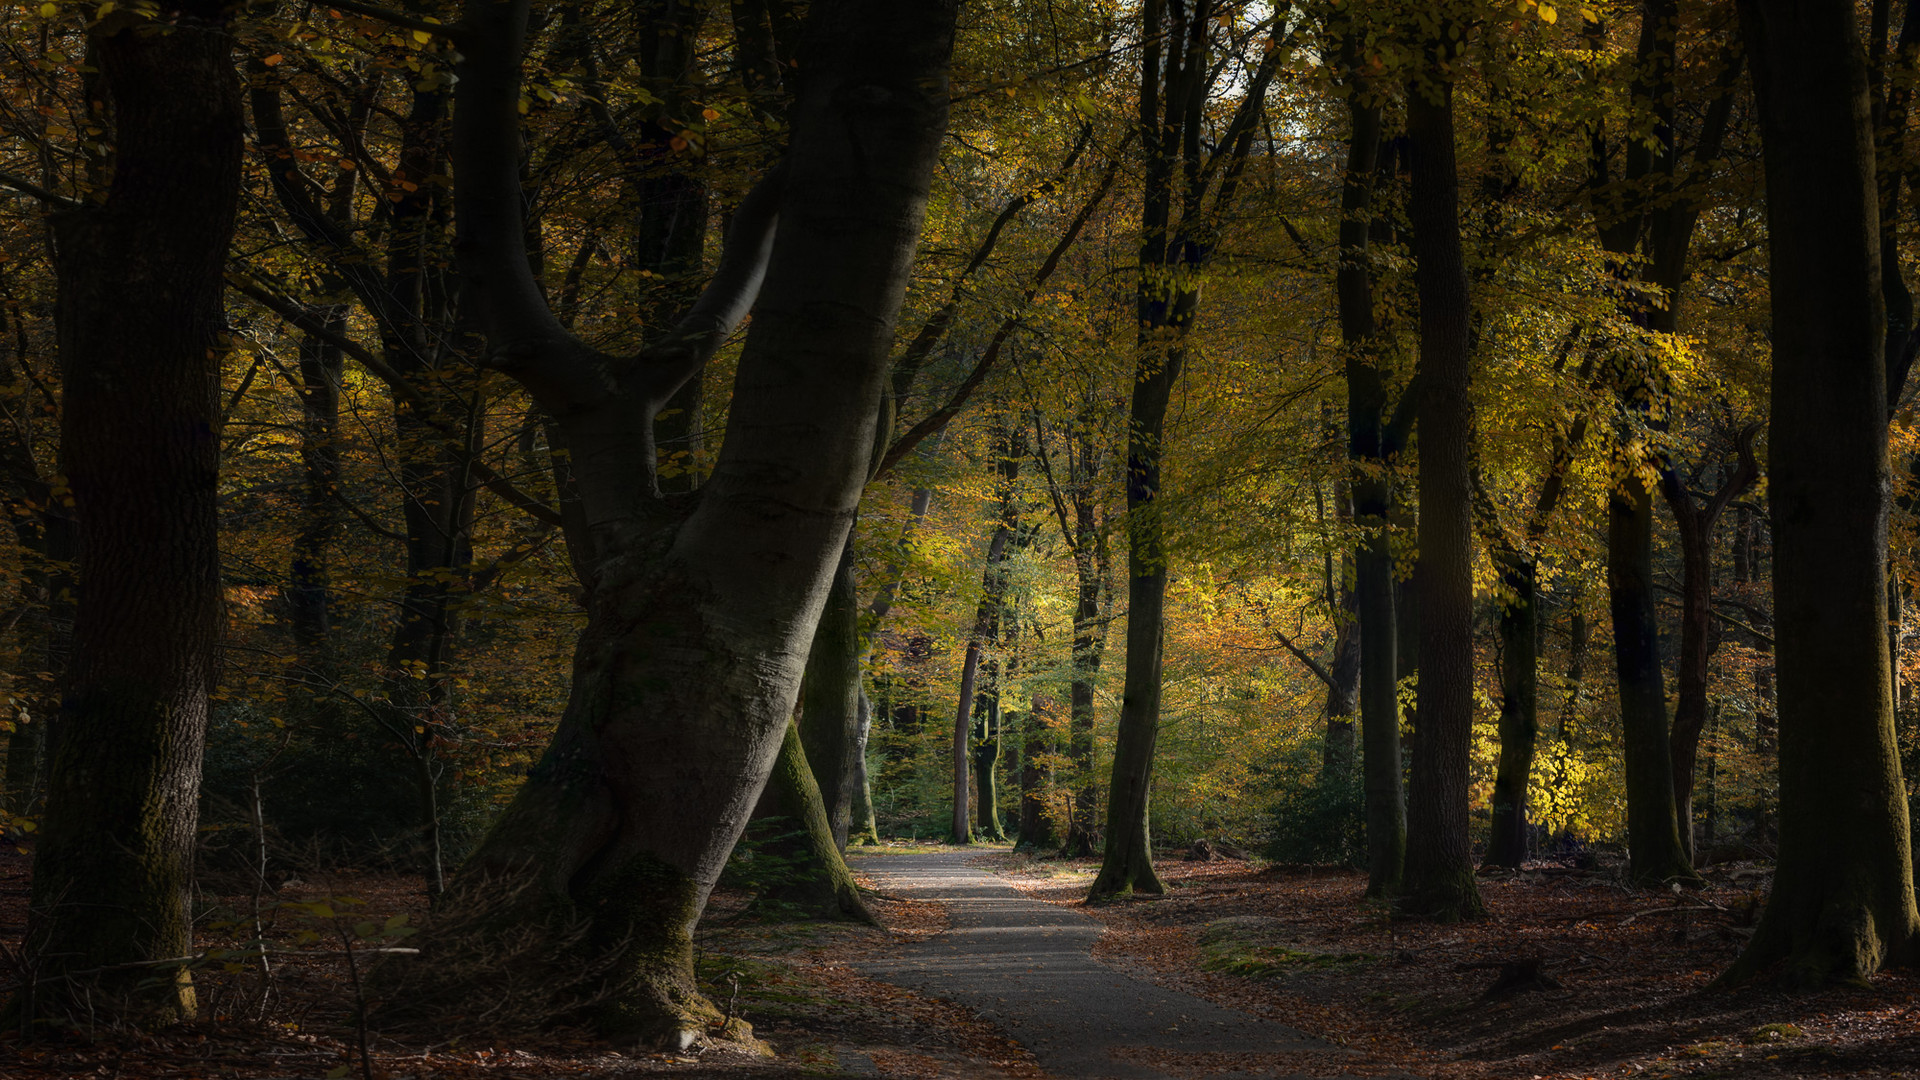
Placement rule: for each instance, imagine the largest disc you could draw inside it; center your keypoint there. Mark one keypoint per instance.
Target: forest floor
(1611, 982)
(1603, 980)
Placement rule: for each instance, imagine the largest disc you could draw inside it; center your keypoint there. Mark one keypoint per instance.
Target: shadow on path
(1027, 966)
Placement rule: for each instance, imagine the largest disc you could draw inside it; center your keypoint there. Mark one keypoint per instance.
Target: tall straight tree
(1842, 903)
(1439, 875)
(1621, 213)
(700, 608)
(1373, 439)
(1179, 228)
(142, 327)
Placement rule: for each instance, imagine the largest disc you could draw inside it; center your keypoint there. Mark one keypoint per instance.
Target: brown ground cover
(791, 981)
(1297, 944)
(1612, 981)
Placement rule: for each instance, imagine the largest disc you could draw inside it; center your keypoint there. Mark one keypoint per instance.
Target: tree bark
(1439, 875)
(1842, 903)
(142, 329)
(701, 609)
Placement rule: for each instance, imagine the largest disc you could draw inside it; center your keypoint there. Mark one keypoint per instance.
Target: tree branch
(939, 417)
(450, 31)
(310, 323)
(26, 187)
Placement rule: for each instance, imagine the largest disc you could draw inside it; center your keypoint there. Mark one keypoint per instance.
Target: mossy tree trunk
(830, 697)
(1842, 903)
(820, 886)
(142, 329)
(701, 609)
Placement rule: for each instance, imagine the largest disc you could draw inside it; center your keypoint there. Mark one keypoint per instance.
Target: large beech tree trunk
(1439, 876)
(701, 609)
(141, 331)
(1842, 903)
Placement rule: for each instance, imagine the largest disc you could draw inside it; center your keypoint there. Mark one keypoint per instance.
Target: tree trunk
(830, 698)
(141, 332)
(865, 830)
(701, 609)
(1653, 833)
(1092, 568)
(1439, 875)
(1842, 903)
(821, 887)
(1519, 711)
(986, 761)
(309, 573)
(1372, 493)
(1037, 831)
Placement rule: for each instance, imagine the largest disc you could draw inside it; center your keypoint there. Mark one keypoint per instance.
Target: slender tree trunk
(986, 762)
(986, 624)
(1372, 494)
(1842, 903)
(309, 578)
(1653, 834)
(865, 830)
(141, 332)
(1092, 573)
(1439, 875)
(1519, 711)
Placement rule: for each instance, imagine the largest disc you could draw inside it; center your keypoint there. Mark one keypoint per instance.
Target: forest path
(1027, 966)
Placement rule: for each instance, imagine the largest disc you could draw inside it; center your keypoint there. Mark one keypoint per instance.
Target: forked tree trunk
(1696, 522)
(1439, 876)
(701, 610)
(1842, 903)
(141, 328)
